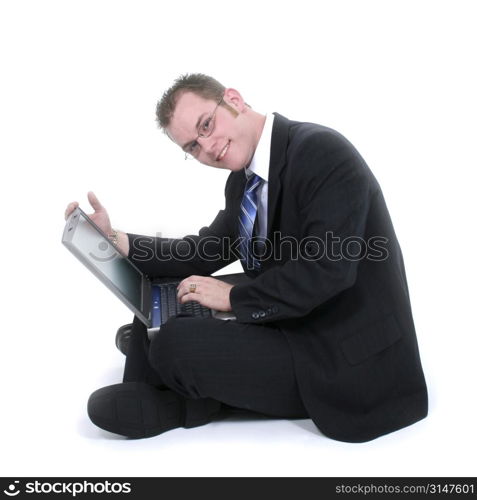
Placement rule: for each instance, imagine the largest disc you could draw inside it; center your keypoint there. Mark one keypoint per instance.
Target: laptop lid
(92, 247)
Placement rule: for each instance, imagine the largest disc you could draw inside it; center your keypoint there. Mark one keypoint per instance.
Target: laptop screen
(101, 257)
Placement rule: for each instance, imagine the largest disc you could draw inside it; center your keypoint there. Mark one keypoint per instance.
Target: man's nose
(208, 145)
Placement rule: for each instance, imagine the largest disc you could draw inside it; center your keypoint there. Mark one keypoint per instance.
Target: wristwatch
(113, 237)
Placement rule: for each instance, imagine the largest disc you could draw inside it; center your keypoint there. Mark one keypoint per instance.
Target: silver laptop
(153, 302)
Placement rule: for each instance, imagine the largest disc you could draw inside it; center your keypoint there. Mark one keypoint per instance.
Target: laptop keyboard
(165, 299)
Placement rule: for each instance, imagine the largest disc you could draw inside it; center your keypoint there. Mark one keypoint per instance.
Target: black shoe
(138, 410)
(123, 336)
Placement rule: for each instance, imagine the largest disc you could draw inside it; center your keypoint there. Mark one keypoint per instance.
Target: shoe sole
(136, 409)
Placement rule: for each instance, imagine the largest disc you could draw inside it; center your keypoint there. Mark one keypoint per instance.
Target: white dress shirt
(260, 165)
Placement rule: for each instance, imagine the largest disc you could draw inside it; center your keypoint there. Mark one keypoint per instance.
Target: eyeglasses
(205, 129)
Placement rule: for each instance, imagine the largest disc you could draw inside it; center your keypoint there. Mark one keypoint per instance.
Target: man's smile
(223, 152)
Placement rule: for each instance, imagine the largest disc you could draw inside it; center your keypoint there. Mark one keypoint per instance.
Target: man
(324, 329)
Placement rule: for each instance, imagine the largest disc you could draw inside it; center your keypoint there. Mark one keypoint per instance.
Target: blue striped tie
(248, 213)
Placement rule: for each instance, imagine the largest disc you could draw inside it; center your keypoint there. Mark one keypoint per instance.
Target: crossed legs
(192, 367)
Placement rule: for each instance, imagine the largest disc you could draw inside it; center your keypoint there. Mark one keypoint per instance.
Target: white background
(79, 84)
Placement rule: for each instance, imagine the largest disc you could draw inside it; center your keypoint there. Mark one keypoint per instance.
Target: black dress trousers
(244, 366)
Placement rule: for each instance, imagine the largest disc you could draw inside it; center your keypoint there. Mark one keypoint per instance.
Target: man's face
(233, 140)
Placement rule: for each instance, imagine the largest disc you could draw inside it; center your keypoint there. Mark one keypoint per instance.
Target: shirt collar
(260, 163)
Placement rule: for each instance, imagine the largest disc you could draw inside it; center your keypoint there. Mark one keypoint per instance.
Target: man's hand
(101, 218)
(209, 292)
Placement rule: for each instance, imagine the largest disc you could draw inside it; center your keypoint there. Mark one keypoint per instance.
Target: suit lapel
(278, 151)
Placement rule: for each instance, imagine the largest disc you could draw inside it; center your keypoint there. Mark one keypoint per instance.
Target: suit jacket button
(255, 315)
(262, 314)
(274, 309)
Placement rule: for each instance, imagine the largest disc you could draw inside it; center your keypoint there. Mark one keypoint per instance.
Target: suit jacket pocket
(370, 340)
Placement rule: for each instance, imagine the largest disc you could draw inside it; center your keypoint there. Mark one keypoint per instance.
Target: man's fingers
(185, 289)
(94, 202)
(193, 278)
(191, 296)
(71, 206)
(184, 286)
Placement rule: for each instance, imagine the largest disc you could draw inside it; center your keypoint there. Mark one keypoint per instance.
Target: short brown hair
(202, 85)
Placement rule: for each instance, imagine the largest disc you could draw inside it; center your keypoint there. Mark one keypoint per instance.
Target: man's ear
(234, 99)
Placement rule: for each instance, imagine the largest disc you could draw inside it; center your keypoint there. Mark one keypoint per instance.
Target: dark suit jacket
(347, 317)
